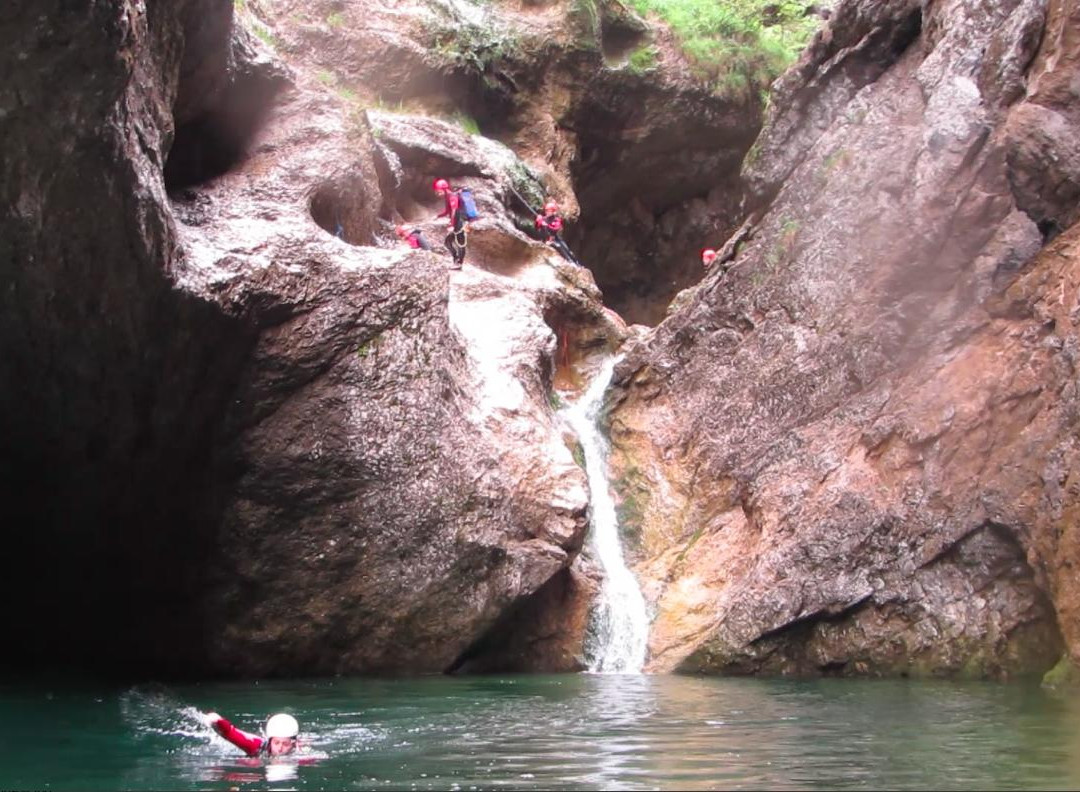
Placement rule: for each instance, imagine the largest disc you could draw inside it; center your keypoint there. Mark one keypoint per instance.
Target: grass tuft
(643, 59)
(467, 122)
(737, 46)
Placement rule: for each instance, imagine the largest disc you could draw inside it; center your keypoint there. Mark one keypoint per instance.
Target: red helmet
(708, 255)
(440, 184)
(551, 207)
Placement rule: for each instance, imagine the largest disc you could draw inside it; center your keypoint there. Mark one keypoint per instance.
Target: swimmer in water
(280, 735)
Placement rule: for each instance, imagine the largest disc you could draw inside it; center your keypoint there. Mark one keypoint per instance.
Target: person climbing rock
(414, 238)
(457, 237)
(550, 224)
(708, 256)
(280, 735)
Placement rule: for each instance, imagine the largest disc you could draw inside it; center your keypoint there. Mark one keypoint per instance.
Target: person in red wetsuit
(550, 224)
(281, 735)
(457, 237)
(414, 238)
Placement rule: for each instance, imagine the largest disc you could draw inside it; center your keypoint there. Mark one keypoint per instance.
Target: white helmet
(282, 725)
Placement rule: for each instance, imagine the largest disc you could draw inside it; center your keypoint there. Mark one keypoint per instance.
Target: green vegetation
(348, 94)
(336, 19)
(475, 47)
(633, 499)
(586, 15)
(555, 401)
(264, 34)
(239, 5)
(836, 158)
(326, 78)
(737, 46)
(643, 59)
(1064, 675)
(578, 452)
(467, 122)
(527, 184)
(689, 545)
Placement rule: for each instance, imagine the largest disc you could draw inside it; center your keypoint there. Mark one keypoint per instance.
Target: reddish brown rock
(839, 453)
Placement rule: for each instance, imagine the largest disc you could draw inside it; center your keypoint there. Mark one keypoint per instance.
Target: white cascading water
(621, 626)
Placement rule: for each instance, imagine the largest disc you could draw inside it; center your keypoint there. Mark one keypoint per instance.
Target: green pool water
(548, 732)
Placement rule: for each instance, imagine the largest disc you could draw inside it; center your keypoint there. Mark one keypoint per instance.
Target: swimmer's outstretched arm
(249, 743)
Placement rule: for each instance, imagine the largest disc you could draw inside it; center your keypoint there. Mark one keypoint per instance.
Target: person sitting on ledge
(550, 224)
(414, 239)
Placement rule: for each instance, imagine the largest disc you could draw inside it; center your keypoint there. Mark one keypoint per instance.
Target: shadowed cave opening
(657, 179)
(111, 468)
(338, 208)
(225, 97)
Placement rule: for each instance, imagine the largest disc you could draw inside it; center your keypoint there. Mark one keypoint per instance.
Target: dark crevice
(533, 635)
(803, 625)
(1050, 230)
(213, 135)
(581, 340)
(619, 39)
(338, 208)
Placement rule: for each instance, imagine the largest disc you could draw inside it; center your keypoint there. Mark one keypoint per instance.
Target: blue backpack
(468, 204)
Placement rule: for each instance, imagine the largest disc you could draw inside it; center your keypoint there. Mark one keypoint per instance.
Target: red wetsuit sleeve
(414, 243)
(248, 743)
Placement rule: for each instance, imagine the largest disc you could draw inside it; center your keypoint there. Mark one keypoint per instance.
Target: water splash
(153, 711)
(620, 624)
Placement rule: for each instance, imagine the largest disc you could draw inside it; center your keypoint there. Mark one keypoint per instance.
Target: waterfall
(620, 625)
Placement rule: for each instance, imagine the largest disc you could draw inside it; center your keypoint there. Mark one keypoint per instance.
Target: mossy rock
(1063, 675)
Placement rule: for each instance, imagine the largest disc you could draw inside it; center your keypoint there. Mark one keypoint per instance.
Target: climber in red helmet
(550, 224)
(708, 256)
(457, 237)
(413, 238)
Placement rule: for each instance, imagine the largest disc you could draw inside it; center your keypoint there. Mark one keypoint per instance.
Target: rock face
(248, 432)
(851, 452)
(644, 162)
(241, 444)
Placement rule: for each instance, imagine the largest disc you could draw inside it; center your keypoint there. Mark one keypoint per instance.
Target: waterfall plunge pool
(579, 731)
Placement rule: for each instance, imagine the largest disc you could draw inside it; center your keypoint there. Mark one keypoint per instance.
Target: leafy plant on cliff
(527, 184)
(474, 47)
(737, 46)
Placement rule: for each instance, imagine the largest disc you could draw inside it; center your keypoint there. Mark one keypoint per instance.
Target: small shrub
(336, 19)
(474, 47)
(737, 46)
(326, 77)
(527, 184)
